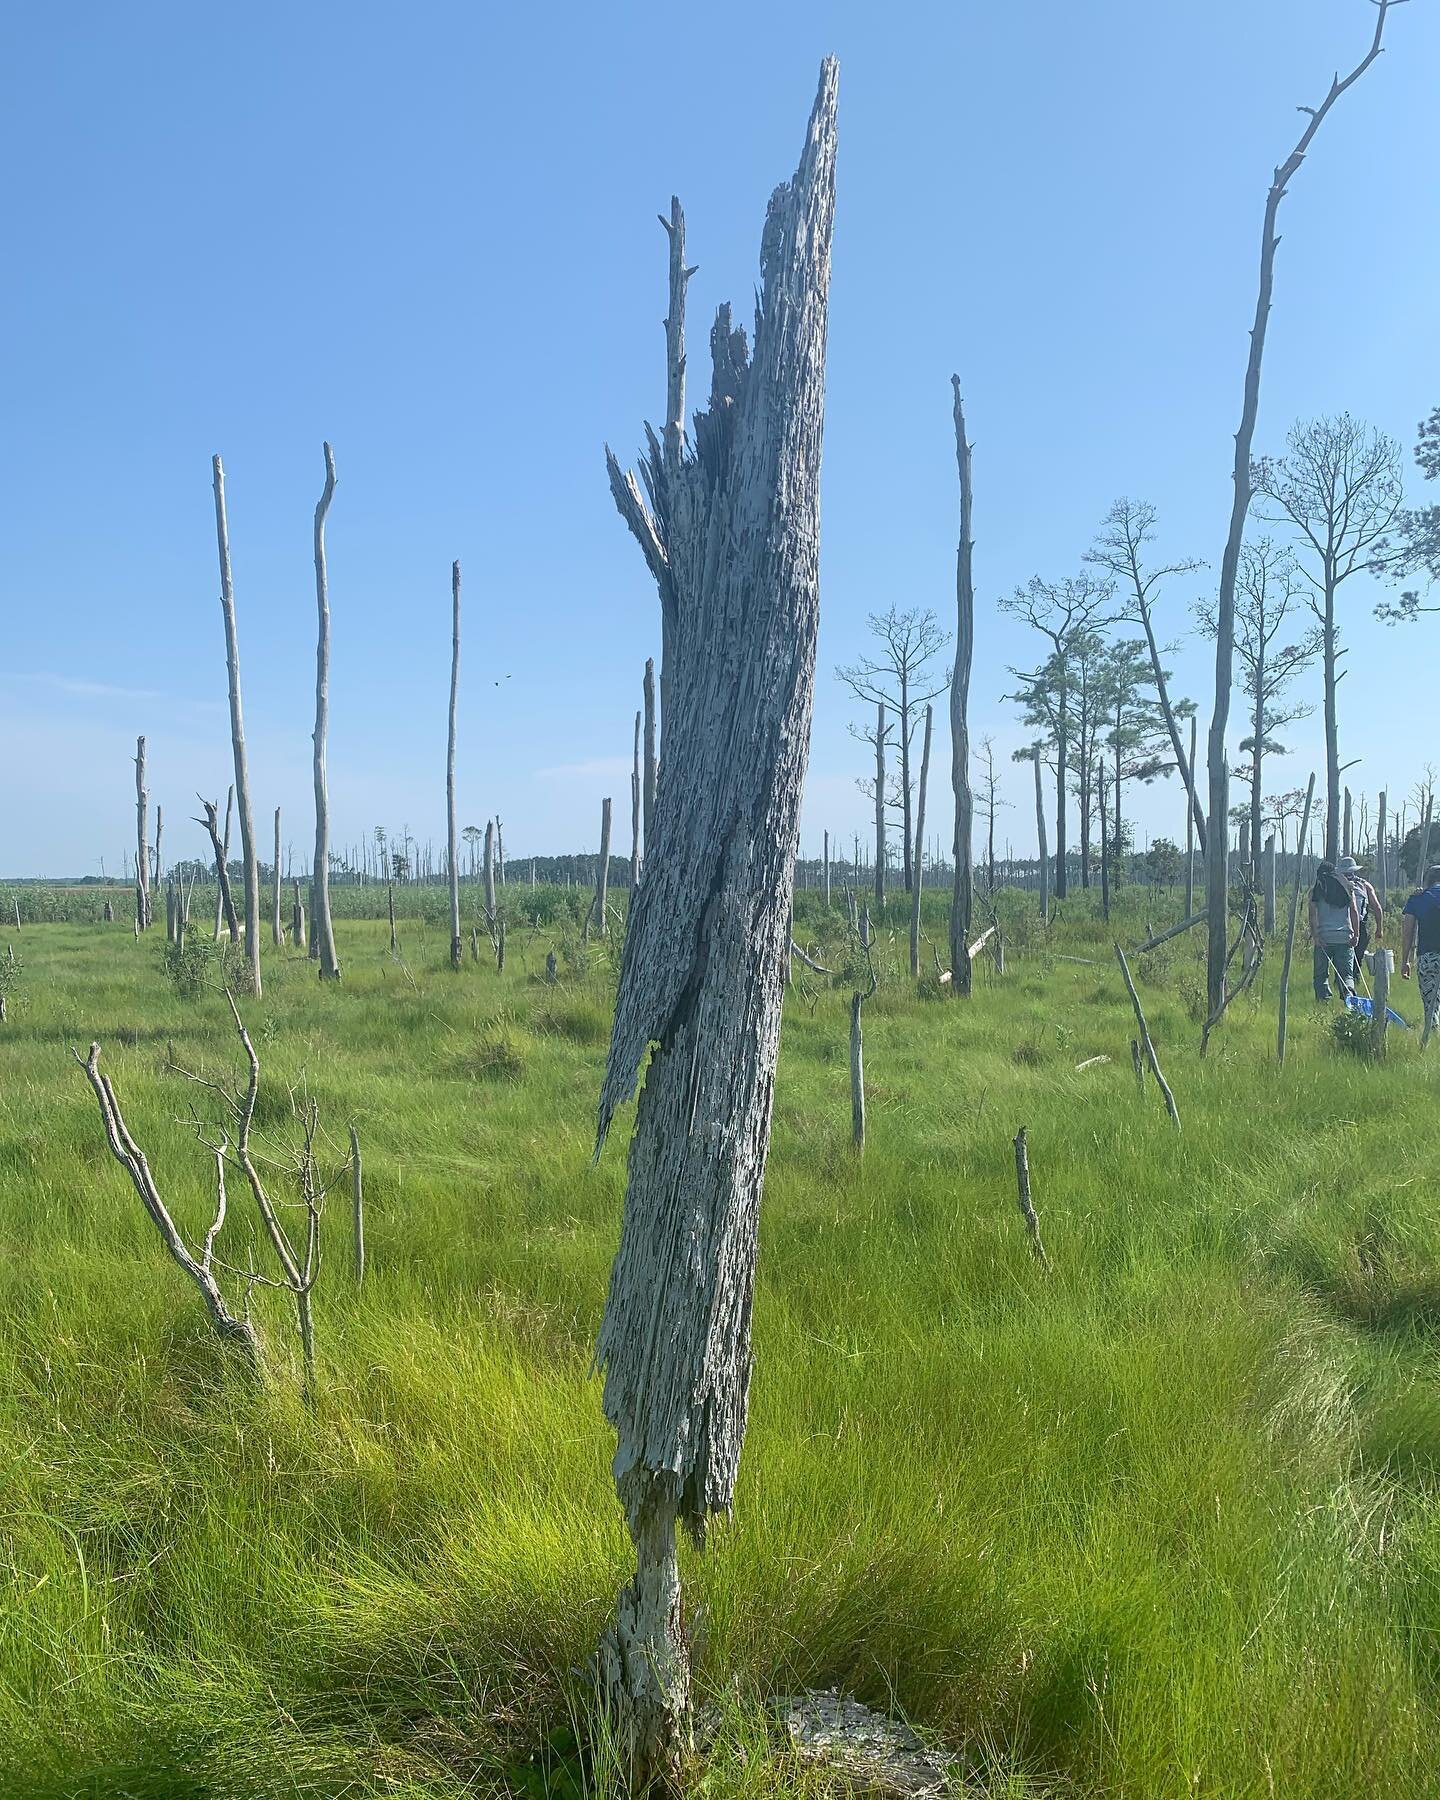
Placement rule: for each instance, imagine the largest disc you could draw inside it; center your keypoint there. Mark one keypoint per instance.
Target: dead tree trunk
(457, 947)
(827, 871)
(297, 921)
(1027, 1204)
(390, 908)
(1294, 915)
(322, 930)
(237, 737)
(226, 903)
(602, 872)
(880, 729)
(277, 930)
(1267, 873)
(1190, 804)
(1044, 848)
(703, 970)
(1145, 1039)
(1381, 873)
(652, 768)
(357, 1205)
(220, 918)
(917, 861)
(1216, 861)
(1347, 827)
(962, 898)
(490, 877)
(159, 832)
(142, 847)
(635, 803)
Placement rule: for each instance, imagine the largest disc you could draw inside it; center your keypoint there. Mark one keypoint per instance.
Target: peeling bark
(732, 536)
(602, 872)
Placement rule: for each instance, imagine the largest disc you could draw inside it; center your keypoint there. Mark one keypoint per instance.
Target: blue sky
(429, 234)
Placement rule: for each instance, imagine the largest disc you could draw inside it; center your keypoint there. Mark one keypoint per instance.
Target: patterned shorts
(1427, 968)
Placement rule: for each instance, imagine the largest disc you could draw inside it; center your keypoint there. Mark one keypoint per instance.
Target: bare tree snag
(297, 922)
(234, 1331)
(490, 911)
(1027, 1205)
(1267, 877)
(220, 912)
(142, 849)
(1296, 886)
(1137, 1065)
(880, 729)
(733, 543)
(277, 930)
(1191, 804)
(159, 832)
(917, 861)
(827, 871)
(652, 769)
(1381, 856)
(457, 948)
(248, 850)
(602, 872)
(1044, 847)
(1216, 862)
(500, 849)
(635, 805)
(1347, 828)
(357, 1205)
(226, 902)
(1145, 1039)
(322, 929)
(390, 909)
(962, 898)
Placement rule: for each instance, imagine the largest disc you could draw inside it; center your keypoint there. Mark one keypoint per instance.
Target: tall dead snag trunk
(602, 872)
(827, 871)
(297, 921)
(220, 917)
(159, 833)
(277, 930)
(1381, 875)
(490, 877)
(457, 948)
(1216, 864)
(880, 729)
(917, 861)
(1044, 848)
(635, 785)
(1190, 828)
(237, 736)
(1267, 880)
(652, 767)
(732, 541)
(142, 847)
(226, 903)
(322, 930)
(1299, 882)
(962, 899)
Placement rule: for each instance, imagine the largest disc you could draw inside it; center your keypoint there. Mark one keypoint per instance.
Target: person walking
(1334, 931)
(1420, 943)
(1367, 904)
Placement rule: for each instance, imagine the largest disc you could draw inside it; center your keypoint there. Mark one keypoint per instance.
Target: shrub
(202, 964)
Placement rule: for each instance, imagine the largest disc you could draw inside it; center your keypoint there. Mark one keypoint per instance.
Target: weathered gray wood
(1027, 1204)
(1267, 878)
(142, 849)
(652, 768)
(962, 896)
(1040, 833)
(233, 1330)
(248, 849)
(1301, 847)
(917, 860)
(225, 848)
(490, 908)
(733, 543)
(1137, 1064)
(1382, 962)
(602, 872)
(322, 929)
(827, 871)
(552, 967)
(390, 908)
(1145, 1039)
(297, 922)
(1160, 937)
(1216, 866)
(457, 949)
(225, 903)
(1347, 825)
(277, 930)
(1382, 860)
(880, 730)
(809, 961)
(357, 1205)
(159, 833)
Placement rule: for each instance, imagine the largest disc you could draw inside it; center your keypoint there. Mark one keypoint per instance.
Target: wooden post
(1294, 915)
(1381, 963)
(142, 848)
(919, 858)
(277, 930)
(457, 949)
(1145, 1039)
(248, 847)
(602, 872)
(1027, 1204)
(322, 930)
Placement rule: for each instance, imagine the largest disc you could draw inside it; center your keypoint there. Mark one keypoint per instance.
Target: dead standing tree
(322, 930)
(703, 968)
(917, 882)
(602, 873)
(457, 947)
(1216, 859)
(142, 848)
(226, 902)
(237, 736)
(962, 896)
(277, 931)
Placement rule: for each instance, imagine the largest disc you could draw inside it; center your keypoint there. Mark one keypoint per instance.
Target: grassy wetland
(1160, 1521)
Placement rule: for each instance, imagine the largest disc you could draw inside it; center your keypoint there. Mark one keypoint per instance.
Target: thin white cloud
(88, 690)
(597, 769)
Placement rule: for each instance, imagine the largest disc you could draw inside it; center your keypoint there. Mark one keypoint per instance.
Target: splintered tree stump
(731, 536)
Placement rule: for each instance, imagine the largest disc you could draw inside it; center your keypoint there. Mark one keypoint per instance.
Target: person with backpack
(1367, 904)
(1420, 943)
(1334, 931)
